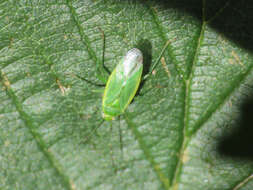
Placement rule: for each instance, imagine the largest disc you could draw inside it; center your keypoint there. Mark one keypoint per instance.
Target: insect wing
(112, 92)
(122, 84)
(130, 88)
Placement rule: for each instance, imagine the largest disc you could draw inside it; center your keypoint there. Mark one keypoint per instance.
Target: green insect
(123, 82)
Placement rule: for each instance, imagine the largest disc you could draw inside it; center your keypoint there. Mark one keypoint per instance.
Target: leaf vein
(37, 137)
(186, 137)
(164, 180)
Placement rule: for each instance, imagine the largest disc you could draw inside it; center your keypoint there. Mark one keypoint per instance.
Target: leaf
(188, 127)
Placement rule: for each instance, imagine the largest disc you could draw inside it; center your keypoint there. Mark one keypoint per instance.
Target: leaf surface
(188, 126)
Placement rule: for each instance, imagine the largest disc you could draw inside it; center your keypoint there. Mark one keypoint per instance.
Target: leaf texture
(174, 134)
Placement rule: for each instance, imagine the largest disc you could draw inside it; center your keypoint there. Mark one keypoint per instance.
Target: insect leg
(101, 71)
(111, 153)
(92, 132)
(157, 60)
(120, 140)
(86, 80)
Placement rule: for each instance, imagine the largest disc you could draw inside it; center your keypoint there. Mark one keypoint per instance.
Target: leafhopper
(122, 84)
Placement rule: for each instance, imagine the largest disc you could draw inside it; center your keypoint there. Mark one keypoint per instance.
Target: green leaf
(185, 129)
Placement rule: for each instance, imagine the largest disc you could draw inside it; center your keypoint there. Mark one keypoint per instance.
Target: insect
(122, 84)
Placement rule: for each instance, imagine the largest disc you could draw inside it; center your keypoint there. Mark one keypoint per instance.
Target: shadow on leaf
(146, 48)
(240, 142)
(233, 20)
